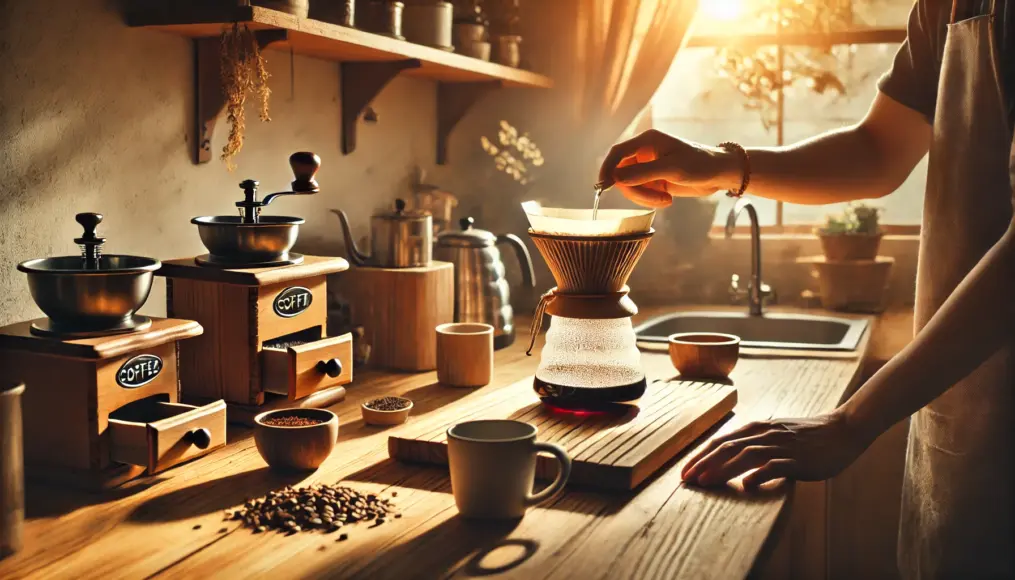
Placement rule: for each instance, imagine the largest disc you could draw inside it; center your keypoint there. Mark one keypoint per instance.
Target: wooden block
(71, 387)
(162, 331)
(271, 325)
(607, 451)
(222, 363)
(399, 310)
(59, 408)
(311, 266)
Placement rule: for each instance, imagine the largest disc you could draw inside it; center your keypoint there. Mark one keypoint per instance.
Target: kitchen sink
(771, 330)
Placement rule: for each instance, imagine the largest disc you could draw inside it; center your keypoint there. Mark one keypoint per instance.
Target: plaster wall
(96, 116)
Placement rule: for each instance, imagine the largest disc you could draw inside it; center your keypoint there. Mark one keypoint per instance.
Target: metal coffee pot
(481, 288)
(399, 239)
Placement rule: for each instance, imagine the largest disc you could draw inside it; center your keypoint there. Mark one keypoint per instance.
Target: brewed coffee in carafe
(590, 359)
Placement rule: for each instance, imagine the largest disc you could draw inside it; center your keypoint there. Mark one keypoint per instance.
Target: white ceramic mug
(493, 468)
(465, 354)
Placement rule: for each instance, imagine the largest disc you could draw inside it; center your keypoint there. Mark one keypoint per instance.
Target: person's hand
(654, 167)
(800, 449)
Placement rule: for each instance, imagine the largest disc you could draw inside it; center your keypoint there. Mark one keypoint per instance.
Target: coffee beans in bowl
(292, 421)
(295, 439)
(386, 411)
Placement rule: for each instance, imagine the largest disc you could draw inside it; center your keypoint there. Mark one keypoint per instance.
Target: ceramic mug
(464, 354)
(493, 468)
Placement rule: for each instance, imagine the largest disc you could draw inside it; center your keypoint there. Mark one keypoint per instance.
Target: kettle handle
(355, 256)
(524, 259)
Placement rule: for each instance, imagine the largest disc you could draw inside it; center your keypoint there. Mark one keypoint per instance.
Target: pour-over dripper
(592, 265)
(591, 357)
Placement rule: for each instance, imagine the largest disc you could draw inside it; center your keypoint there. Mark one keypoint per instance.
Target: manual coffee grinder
(101, 401)
(590, 359)
(263, 308)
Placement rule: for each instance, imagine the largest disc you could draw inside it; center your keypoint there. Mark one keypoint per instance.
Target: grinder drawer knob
(200, 438)
(332, 368)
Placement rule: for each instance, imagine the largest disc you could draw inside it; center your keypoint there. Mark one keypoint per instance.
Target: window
(696, 103)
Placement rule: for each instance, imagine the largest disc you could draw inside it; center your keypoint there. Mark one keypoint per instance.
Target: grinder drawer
(301, 369)
(159, 435)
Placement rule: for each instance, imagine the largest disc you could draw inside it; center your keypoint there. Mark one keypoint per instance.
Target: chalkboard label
(292, 301)
(139, 371)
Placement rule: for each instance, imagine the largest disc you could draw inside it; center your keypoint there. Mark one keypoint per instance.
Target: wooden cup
(296, 448)
(704, 354)
(465, 354)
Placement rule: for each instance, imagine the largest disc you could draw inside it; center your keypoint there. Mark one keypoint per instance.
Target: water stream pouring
(590, 359)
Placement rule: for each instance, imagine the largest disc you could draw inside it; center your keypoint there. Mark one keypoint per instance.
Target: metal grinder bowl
(229, 239)
(73, 297)
(253, 239)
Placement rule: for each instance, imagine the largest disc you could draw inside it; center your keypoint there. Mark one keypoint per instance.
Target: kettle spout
(355, 256)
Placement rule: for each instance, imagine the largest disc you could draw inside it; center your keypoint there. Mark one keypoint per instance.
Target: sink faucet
(757, 291)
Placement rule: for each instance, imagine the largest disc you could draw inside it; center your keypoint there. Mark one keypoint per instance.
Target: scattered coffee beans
(318, 507)
(291, 421)
(388, 404)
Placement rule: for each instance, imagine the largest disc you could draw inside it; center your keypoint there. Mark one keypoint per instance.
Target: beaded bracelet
(745, 162)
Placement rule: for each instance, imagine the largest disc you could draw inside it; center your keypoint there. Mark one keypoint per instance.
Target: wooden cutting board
(608, 451)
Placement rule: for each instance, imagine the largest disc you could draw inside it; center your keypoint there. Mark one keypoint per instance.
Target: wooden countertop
(171, 525)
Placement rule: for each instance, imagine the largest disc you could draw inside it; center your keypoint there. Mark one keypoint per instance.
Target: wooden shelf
(369, 60)
(332, 42)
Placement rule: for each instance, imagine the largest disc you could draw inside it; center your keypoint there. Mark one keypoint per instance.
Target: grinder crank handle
(305, 165)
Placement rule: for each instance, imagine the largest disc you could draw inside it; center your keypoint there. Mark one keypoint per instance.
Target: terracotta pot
(850, 246)
(854, 286)
(298, 8)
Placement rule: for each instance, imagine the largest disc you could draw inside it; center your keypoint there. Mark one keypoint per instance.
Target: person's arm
(867, 160)
(973, 323)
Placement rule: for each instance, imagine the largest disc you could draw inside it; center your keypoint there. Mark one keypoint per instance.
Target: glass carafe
(586, 363)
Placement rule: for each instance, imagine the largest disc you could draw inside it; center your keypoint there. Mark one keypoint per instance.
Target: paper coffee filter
(578, 222)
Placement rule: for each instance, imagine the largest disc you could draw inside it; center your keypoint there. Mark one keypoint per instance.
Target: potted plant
(853, 235)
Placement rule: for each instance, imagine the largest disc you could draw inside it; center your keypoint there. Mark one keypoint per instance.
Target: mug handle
(562, 475)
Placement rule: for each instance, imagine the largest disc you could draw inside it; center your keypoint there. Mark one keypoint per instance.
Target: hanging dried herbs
(243, 73)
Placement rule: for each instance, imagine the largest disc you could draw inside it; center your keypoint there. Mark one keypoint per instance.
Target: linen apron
(957, 519)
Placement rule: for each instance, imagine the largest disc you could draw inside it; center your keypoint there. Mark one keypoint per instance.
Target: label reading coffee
(292, 301)
(138, 371)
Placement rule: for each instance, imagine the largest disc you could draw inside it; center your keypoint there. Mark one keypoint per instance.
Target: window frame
(781, 40)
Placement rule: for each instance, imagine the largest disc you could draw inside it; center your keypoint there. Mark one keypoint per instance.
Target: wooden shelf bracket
(208, 98)
(361, 82)
(453, 101)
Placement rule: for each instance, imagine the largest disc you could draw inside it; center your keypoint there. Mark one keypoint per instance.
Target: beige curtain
(623, 50)
(607, 59)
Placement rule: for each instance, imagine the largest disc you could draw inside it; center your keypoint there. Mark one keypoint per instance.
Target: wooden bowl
(296, 448)
(378, 417)
(704, 354)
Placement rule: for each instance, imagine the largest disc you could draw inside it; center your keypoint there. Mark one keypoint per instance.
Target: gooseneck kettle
(482, 293)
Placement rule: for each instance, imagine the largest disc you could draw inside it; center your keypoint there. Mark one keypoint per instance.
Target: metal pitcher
(481, 288)
(399, 239)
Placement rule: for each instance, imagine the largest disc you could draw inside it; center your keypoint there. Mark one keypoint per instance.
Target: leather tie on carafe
(536, 326)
